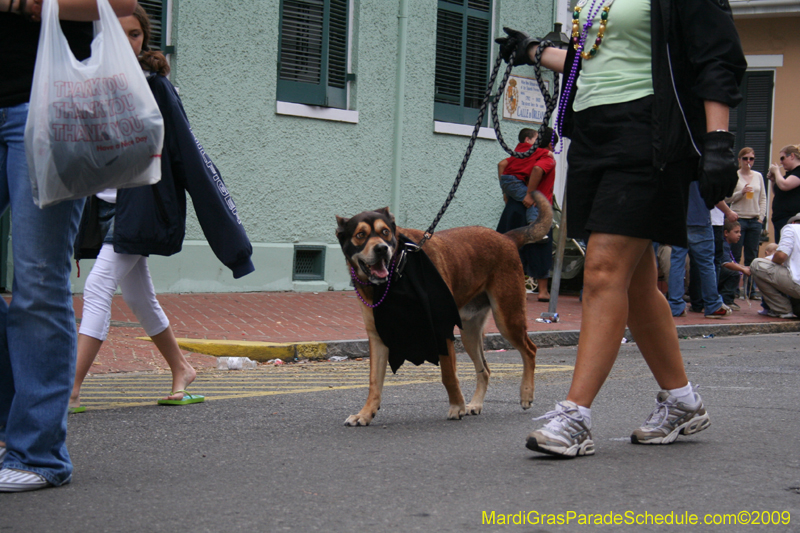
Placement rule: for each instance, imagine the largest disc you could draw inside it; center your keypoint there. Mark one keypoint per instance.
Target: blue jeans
(516, 189)
(694, 274)
(729, 285)
(701, 251)
(37, 329)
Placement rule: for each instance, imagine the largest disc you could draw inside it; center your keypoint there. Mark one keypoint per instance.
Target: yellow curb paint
(255, 350)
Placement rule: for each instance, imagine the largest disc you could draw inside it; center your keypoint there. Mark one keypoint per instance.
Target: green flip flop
(76, 410)
(186, 400)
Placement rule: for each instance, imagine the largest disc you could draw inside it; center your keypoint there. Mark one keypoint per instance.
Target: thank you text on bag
(92, 125)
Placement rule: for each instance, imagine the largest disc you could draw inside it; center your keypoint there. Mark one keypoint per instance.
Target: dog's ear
(385, 211)
(340, 226)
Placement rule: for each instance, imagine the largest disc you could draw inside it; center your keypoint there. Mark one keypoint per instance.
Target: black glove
(518, 41)
(718, 167)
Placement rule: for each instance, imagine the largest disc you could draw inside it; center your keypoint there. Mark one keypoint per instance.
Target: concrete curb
(265, 351)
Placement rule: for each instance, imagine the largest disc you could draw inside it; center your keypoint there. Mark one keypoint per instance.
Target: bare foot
(74, 401)
(181, 380)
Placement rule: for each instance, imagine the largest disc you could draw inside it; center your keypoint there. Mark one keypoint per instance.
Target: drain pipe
(399, 106)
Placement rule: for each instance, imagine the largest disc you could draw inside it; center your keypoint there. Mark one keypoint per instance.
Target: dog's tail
(536, 230)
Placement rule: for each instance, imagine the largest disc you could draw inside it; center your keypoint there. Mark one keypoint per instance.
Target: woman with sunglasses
(786, 203)
(749, 202)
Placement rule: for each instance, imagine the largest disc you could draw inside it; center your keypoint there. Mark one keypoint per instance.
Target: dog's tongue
(379, 270)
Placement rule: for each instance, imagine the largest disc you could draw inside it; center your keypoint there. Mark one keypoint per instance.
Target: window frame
(322, 93)
(460, 113)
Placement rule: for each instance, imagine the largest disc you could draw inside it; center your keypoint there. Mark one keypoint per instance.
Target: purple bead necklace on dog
(388, 283)
(562, 105)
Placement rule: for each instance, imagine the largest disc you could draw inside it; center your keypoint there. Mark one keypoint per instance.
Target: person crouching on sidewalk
(778, 278)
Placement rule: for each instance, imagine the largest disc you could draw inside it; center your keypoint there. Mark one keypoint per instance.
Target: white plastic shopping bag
(92, 125)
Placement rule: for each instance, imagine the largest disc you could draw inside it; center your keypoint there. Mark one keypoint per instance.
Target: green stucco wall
(290, 175)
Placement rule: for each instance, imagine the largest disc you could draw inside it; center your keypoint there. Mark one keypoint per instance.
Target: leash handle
(551, 101)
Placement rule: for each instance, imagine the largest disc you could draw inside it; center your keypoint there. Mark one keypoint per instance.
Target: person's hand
(528, 200)
(773, 171)
(747, 188)
(718, 167)
(519, 42)
(746, 271)
(35, 7)
(732, 215)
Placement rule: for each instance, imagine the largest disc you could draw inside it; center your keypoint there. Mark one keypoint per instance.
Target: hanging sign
(523, 101)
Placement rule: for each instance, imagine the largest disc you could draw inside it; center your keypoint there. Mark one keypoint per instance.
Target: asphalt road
(285, 462)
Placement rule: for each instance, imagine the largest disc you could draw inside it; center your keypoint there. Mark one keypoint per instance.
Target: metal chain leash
(550, 103)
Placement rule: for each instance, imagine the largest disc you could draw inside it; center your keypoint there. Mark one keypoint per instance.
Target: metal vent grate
(309, 263)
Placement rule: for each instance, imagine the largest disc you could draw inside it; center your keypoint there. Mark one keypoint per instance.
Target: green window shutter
(448, 57)
(312, 62)
(157, 11)
(462, 59)
(752, 119)
(337, 54)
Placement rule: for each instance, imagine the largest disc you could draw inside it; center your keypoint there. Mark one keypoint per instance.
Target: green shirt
(622, 69)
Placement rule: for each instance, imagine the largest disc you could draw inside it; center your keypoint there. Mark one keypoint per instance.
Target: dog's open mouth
(377, 273)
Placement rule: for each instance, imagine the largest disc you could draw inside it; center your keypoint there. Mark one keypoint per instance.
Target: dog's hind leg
(378, 359)
(511, 322)
(472, 338)
(447, 364)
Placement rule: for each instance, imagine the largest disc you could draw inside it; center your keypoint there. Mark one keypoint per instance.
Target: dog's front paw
(456, 412)
(526, 397)
(474, 409)
(358, 420)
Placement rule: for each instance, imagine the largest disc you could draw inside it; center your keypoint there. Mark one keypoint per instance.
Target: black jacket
(696, 56)
(152, 219)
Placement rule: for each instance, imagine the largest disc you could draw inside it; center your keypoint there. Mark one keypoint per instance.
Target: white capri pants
(130, 272)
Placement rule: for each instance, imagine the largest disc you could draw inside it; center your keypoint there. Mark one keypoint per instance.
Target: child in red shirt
(520, 177)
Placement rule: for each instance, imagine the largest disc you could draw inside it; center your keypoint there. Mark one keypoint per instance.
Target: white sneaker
(2, 455)
(566, 434)
(671, 418)
(773, 314)
(12, 480)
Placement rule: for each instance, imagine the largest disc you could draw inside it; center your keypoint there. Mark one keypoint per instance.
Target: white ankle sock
(684, 394)
(586, 413)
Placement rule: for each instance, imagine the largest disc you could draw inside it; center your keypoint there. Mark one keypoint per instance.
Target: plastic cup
(749, 195)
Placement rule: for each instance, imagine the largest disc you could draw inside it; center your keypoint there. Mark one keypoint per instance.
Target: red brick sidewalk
(294, 317)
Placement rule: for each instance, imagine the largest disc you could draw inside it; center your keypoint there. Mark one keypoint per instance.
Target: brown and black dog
(481, 267)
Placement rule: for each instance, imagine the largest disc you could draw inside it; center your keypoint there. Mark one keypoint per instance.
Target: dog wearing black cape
(483, 272)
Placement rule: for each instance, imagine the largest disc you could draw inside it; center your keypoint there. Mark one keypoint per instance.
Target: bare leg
(610, 264)
(182, 372)
(651, 323)
(88, 347)
(543, 291)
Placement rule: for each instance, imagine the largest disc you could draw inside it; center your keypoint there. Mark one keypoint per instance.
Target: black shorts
(612, 185)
